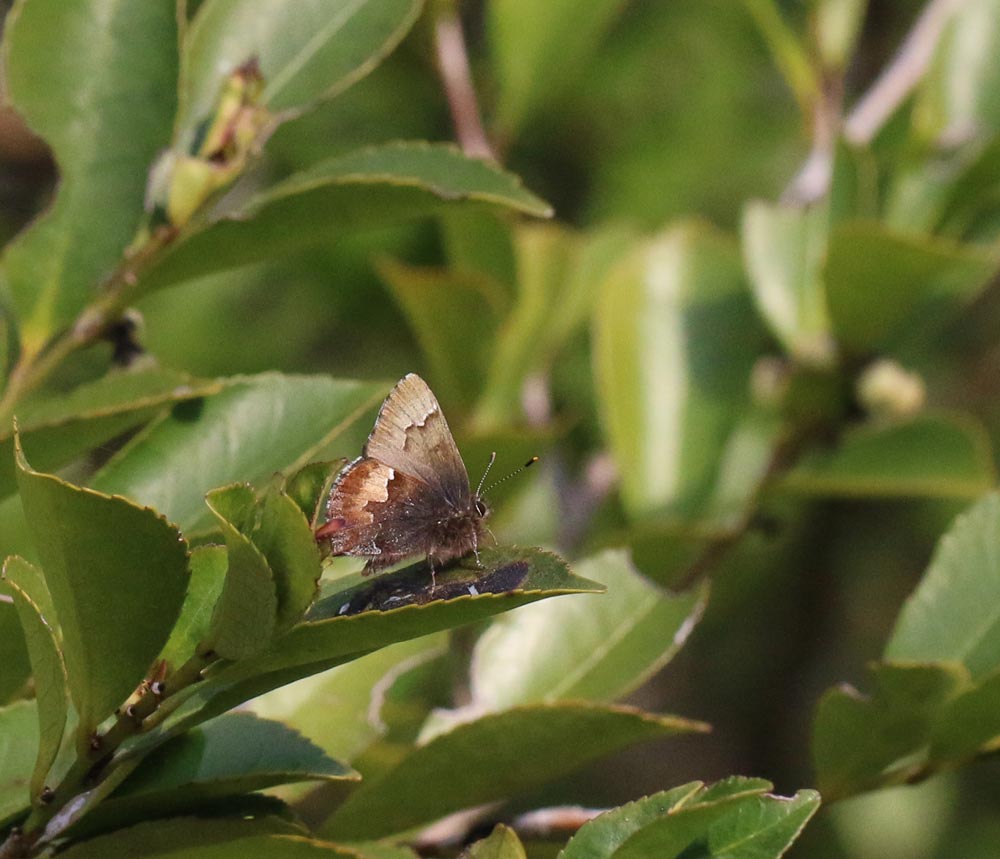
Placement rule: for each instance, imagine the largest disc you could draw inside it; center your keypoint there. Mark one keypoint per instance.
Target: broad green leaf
(208, 565)
(860, 743)
(932, 455)
(559, 276)
(244, 617)
(783, 247)
(957, 99)
(57, 429)
(255, 426)
(675, 341)
(18, 748)
(454, 317)
(540, 49)
(954, 615)
(34, 608)
(366, 614)
(919, 282)
(368, 188)
(117, 574)
(307, 49)
(588, 648)
(502, 843)
(13, 652)
(97, 80)
(756, 826)
(602, 836)
(968, 724)
(355, 691)
(286, 539)
(493, 758)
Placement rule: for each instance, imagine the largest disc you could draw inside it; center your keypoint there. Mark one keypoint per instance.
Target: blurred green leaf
(372, 187)
(502, 843)
(675, 340)
(539, 50)
(931, 455)
(306, 51)
(454, 317)
(37, 615)
(117, 574)
(18, 748)
(957, 100)
(738, 821)
(783, 247)
(493, 758)
(588, 648)
(97, 80)
(836, 27)
(255, 426)
(13, 652)
(354, 691)
(208, 566)
(860, 743)
(244, 618)
(968, 724)
(58, 428)
(920, 283)
(953, 615)
(787, 51)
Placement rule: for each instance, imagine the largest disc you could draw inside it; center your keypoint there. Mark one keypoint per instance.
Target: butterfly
(408, 493)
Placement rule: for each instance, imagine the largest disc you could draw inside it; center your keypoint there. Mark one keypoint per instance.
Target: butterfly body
(408, 493)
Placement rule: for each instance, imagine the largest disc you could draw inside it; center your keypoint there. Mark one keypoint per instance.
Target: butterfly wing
(411, 436)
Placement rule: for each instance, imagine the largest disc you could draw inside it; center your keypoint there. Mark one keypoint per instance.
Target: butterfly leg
(475, 550)
(430, 564)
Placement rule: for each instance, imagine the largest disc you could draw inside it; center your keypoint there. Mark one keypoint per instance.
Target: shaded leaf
(502, 843)
(493, 758)
(954, 614)
(208, 565)
(255, 426)
(308, 487)
(97, 80)
(931, 455)
(968, 724)
(674, 345)
(368, 188)
(13, 652)
(18, 748)
(37, 615)
(117, 574)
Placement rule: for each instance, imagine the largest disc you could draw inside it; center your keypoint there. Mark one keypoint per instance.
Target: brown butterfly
(408, 493)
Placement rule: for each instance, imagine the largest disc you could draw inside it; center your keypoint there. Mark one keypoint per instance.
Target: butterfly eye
(481, 508)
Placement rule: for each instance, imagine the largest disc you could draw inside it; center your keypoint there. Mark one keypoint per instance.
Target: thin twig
(901, 76)
(456, 76)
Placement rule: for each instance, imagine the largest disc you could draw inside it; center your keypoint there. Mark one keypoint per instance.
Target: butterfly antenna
(482, 480)
(516, 471)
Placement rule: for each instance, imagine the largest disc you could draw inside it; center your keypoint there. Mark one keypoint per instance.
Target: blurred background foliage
(661, 342)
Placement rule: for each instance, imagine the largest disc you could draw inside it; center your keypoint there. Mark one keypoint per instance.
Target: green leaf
(117, 574)
(588, 648)
(454, 317)
(18, 748)
(286, 539)
(863, 743)
(954, 615)
(368, 188)
(750, 825)
(602, 836)
(308, 487)
(540, 49)
(244, 617)
(783, 247)
(255, 426)
(932, 455)
(208, 566)
(502, 843)
(968, 724)
(59, 428)
(493, 758)
(306, 51)
(37, 615)
(366, 614)
(13, 652)
(921, 282)
(355, 691)
(97, 80)
(675, 341)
